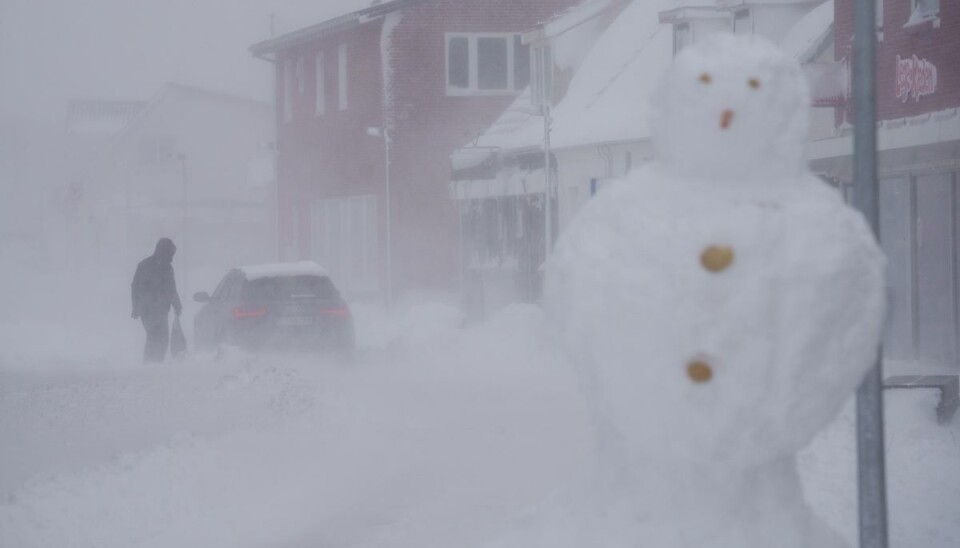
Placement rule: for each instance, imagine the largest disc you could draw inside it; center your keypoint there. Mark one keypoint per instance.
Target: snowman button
(699, 371)
(717, 258)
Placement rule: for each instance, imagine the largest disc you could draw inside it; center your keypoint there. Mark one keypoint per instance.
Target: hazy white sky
(55, 50)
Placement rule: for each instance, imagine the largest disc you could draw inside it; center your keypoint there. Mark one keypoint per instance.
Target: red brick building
(918, 97)
(369, 107)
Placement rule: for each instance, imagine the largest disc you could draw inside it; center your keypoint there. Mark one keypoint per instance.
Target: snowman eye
(754, 83)
(706, 78)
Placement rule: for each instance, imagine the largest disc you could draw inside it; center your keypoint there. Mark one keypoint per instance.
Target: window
(682, 37)
(321, 100)
(158, 149)
(920, 232)
(301, 81)
(342, 76)
(926, 7)
(896, 236)
(542, 90)
(924, 10)
(935, 264)
(345, 240)
(879, 14)
(229, 288)
(479, 64)
(288, 91)
(288, 287)
(742, 22)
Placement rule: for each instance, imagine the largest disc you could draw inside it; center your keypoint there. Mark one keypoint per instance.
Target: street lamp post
(548, 183)
(184, 262)
(382, 132)
(386, 179)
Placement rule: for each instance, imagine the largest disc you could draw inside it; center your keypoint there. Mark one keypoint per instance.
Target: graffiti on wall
(915, 78)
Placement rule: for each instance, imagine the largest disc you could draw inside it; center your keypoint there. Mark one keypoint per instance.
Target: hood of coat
(165, 250)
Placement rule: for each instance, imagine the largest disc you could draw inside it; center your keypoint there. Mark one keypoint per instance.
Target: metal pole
(547, 179)
(870, 446)
(386, 166)
(184, 276)
(279, 253)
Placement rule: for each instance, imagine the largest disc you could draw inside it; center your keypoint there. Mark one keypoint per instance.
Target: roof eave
(273, 45)
(325, 28)
(684, 14)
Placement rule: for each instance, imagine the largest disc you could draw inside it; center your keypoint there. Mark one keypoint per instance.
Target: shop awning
(514, 183)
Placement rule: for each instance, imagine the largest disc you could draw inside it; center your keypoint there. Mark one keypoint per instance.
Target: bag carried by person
(178, 343)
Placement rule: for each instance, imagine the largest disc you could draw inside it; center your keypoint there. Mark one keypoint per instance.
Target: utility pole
(871, 467)
(548, 182)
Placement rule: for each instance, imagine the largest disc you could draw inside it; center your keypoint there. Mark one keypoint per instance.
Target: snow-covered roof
(302, 268)
(520, 126)
(574, 16)
(806, 37)
(579, 26)
(171, 89)
(101, 117)
(607, 97)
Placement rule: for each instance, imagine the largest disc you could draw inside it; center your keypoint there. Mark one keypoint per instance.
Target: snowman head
(731, 107)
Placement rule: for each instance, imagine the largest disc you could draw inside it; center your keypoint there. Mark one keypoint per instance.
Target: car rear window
(288, 287)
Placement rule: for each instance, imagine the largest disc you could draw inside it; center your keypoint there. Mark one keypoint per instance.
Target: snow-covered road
(439, 436)
(430, 441)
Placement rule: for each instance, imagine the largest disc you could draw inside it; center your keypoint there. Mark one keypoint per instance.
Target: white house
(195, 166)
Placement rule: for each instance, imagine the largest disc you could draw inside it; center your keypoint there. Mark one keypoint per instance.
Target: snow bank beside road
(923, 472)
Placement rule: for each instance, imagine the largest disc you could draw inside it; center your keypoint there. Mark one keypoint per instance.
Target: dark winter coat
(153, 289)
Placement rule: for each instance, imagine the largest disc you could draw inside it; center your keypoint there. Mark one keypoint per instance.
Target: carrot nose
(726, 118)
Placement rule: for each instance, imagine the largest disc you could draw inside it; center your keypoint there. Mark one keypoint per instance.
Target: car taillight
(240, 312)
(335, 311)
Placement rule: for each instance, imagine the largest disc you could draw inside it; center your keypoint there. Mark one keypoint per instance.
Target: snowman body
(720, 306)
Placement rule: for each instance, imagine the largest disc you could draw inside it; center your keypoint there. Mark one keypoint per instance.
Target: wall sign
(915, 78)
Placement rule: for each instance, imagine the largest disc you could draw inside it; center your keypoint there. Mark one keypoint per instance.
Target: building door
(345, 240)
(896, 236)
(936, 306)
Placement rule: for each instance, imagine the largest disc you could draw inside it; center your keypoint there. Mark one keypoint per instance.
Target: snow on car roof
(302, 268)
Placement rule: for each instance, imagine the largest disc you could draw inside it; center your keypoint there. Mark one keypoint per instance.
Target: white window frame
(287, 70)
(342, 88)
(320, 103)
(472, 57)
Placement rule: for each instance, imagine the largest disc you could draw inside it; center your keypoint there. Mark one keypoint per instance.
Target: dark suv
(277, 307)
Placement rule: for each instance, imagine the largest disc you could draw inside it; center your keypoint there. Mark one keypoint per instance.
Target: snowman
(720, 305)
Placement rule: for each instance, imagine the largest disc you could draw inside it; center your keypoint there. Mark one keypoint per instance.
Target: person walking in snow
(153, 292)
